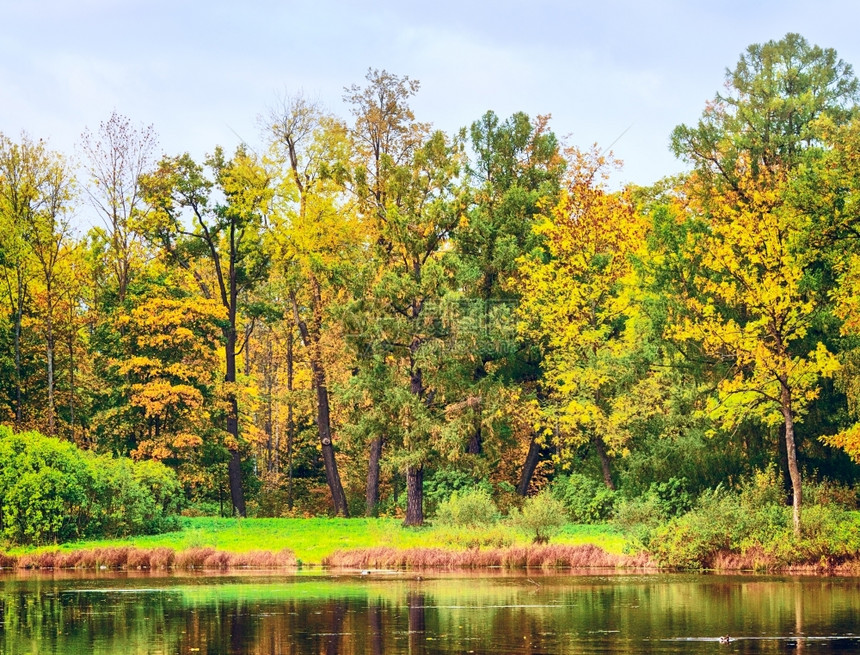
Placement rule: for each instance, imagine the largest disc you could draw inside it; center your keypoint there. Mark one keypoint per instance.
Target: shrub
(121, 500)
(585, 499)
(640, 517)
(692, 540)
(829, 534)
(541, 517)
(44, 488)
(472, 507)
(441, 484)
(50, 491)
(755, 520)
(164, 496)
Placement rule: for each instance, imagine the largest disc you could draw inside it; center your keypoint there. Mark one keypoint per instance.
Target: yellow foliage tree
(751, 308)
(316, 239)
(172, 380)
(578, 303)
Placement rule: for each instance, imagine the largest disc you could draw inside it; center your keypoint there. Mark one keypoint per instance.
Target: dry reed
(536, 556)
(127, 557)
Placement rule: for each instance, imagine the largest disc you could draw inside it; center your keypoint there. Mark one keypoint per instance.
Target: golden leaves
(748, 304)
(579, 301)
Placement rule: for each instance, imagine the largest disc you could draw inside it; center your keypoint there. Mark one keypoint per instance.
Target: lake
(406, 612)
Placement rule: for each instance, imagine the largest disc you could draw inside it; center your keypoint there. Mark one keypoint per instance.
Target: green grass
(604, 536)
(312, 539)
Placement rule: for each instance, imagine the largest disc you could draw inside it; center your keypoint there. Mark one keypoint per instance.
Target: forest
(365, 314)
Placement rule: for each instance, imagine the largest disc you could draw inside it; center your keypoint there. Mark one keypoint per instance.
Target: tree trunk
(415, 474)
(373, 476)
(475, 446)
(291, 427)
(414, 495)
(268, 427)
(791, 453)
(49, 343)
(324, 428)
(234, 466)
(311, 341)
(529, 466)
(72, 374)
(19, 313)
(600, 447)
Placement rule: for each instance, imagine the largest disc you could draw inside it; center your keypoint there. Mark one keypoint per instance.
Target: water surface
(396, 613)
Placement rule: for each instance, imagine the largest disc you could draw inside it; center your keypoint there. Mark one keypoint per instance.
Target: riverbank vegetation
(367, 316)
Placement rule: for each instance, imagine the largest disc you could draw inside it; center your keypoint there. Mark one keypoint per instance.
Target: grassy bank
(312, 540)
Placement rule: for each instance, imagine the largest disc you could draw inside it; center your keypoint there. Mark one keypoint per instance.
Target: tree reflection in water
(483, 614)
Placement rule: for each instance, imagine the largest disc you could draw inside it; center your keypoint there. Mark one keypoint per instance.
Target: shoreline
(550, 557)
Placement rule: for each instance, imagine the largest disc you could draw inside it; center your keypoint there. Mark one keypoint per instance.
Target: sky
(618, 73)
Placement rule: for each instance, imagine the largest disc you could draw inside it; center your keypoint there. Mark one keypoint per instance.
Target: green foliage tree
(514, 168)
(405, 180)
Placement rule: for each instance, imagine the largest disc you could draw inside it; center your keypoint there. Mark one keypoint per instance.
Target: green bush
(690, 541)
(133, 497)
(164, 496)
(441, 484)
(638, 518)
(541, 517)
(51, 491)
(44, 488)
(828, 534)
(641, 516)
(472, 507)
(755, 519)
(585, 499)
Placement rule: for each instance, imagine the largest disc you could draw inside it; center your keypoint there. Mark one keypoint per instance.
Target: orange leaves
(172, 372)
(848, 440)
(157, 397)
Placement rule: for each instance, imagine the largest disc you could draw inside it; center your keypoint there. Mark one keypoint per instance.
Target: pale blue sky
(201, 72)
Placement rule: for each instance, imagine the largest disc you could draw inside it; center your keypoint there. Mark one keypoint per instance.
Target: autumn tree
(317, 243)
(404, 178)
(37, 193)
(758, 304)
(828, 189)
(167, 383)
(194, 227)
(579, 304)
